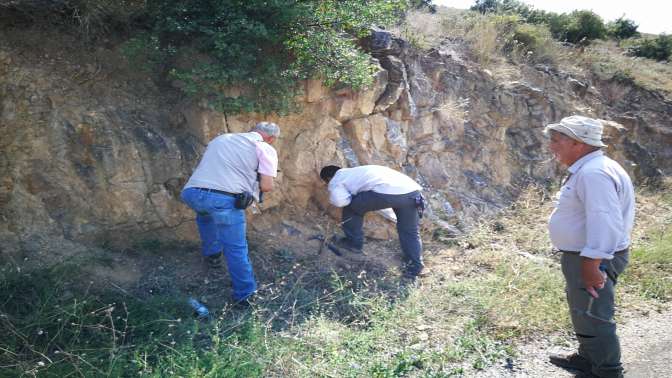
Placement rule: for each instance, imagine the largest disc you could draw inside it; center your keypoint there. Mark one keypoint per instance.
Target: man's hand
(593, 277)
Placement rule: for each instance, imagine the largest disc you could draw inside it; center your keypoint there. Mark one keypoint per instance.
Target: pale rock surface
(105, 161)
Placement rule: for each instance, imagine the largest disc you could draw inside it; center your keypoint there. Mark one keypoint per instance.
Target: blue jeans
(222, 229)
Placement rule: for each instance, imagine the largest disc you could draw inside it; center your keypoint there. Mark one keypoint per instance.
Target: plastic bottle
(199, 308)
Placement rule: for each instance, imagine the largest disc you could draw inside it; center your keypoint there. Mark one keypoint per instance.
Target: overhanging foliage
(250, 55)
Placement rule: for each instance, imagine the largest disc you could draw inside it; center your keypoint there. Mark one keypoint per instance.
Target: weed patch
(503, 284)
(649, 273)
(51, 328)
(650, 270)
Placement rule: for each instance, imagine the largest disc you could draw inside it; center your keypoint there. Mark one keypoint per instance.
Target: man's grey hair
(269, 128)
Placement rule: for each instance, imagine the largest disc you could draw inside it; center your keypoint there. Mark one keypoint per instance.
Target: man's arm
(339, 196)
(268, 166)
(265, 183)
(604, 226)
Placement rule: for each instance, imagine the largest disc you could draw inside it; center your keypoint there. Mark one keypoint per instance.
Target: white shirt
(595, 209)
(347, 182)
(231, 162)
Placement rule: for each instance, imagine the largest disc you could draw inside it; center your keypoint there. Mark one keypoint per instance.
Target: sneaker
(573, 361)
(343, 243)
(215, 261)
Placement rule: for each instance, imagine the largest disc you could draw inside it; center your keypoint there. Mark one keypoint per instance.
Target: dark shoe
(412, 272)
(585, 374)
(618, 373)
(571, 361)
(245, 303)
(344, 244)
(215, 261)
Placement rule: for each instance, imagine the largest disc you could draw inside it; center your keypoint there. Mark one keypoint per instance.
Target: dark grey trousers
(407, 221)
(593, 318)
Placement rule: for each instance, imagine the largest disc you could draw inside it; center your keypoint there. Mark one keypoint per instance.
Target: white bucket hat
(583, 129)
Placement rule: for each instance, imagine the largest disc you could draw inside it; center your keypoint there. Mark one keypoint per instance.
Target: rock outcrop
(90, 155)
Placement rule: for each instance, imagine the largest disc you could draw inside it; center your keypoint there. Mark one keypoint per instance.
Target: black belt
(621, 251)
(218, 191)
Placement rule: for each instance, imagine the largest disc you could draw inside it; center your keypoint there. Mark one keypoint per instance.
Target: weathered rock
(382, 42)
(395, 86)
(368, 138)
(104, 162)
(579, 87)
(354, 105)
(316, 91)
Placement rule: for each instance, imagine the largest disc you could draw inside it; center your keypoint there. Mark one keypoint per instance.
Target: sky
(652, 16)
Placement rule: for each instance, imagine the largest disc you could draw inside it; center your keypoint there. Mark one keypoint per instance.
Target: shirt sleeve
(268, 159)
(604, 220)
(339, 195)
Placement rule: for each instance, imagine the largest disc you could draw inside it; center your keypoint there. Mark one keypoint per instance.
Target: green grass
(650, 269)
(501, 286)
(53, 329)
(56, 328)
(648, 276)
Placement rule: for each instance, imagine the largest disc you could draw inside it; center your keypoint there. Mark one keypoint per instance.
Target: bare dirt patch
(646, 348)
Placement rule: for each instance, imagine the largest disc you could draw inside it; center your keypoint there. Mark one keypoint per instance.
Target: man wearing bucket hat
(590, 225)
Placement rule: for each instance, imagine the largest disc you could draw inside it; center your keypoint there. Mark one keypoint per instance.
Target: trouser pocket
(228, 217)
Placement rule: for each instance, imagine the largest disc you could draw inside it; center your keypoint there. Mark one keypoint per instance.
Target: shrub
(528, 36)
(659, 48)
(423, 4)
(533, 43)
(485, 6)
(251, 55)
(622, 28)
(506, 35)
(584, 25)
(574, 27)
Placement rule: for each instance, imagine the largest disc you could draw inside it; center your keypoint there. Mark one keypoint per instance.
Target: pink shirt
(268, 159)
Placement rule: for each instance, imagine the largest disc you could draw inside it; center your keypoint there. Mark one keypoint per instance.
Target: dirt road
(646, 342)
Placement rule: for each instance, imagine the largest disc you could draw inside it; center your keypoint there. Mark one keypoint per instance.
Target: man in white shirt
(367, 188)
(591, 226)
(234, 170)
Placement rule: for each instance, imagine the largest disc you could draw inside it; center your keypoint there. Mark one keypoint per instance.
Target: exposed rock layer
(87, 154)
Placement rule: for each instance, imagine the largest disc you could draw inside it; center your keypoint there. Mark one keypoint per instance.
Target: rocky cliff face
(90, 152)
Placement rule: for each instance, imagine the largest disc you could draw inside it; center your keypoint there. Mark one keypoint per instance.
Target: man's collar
(259, 137)
(586, 158)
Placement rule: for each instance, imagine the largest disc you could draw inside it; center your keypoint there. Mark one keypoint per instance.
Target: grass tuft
(650, 270)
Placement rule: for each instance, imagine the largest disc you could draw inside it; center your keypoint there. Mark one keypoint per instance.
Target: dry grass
(425, 30)
(492, 39)
(486, 35)
(520, 275)
(520, 229)
(648, 279)
(607, 60)
(421, 29)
